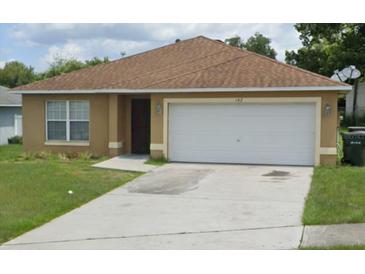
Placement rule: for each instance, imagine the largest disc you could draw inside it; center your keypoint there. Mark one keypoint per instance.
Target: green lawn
(337, 196)
(156, 162)
(34, 191)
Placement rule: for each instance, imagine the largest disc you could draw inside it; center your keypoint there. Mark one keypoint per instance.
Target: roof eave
(186, 90)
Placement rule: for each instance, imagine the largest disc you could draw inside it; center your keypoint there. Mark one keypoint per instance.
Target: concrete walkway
(127, 162)
(186, 206)
(333, 235)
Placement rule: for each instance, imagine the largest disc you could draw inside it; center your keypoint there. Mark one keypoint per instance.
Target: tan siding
(34, 123)
(328, 160)
(122, 120)
(329, 123)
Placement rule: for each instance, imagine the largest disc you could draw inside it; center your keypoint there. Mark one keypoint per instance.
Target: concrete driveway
(186, 206)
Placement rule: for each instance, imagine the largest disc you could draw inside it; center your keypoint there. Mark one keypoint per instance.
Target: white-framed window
(67, 120)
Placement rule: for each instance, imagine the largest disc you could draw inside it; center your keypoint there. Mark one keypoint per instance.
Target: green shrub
(43, 155)
(63, 156)
(85, 156)
(15, 140)
(26, 156)
(71, 155)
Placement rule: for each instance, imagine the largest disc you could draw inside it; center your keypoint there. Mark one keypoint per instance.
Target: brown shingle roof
(194, 63)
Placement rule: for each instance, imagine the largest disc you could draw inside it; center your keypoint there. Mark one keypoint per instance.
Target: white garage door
(242, 133)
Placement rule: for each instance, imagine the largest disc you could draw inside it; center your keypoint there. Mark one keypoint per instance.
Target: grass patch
(35, 190)
(10, 152)
(337, 195)
(156, 161)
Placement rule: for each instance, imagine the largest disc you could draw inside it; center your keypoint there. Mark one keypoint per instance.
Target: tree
(15, 74)
(61, 65)
(327, 47)
(96, 61)
(234, 41)
(257, 43)
(260, 44)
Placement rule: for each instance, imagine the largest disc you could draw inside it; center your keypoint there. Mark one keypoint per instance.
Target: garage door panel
(242, 133)
(242, 125)
(242, 140)
(249, 157)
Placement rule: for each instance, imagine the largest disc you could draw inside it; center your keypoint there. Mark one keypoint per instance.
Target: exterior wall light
(327, 110)
(158, 108)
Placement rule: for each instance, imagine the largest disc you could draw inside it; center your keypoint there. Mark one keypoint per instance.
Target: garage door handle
(238, 140)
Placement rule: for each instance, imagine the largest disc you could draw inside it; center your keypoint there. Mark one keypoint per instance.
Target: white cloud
(84, 41)
(3, 62)
(68, 51)
(87, 49)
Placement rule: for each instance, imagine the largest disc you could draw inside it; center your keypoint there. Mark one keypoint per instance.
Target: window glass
(56, 130)
(79, 110)
(79, 131)
(56, 110)
(71, 127)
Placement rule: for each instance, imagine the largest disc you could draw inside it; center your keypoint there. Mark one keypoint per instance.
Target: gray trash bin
(352, 129)
(354, 148)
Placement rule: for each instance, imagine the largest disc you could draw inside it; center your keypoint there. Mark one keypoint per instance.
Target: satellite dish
(351, 72)
(339, 76)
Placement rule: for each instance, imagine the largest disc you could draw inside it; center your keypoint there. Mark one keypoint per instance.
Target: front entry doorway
(141, 126)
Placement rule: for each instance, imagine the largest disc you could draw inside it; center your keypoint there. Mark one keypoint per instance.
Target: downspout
(354, 103)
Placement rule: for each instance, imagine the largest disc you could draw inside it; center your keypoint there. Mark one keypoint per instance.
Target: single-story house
(197, 100)
(10, 115)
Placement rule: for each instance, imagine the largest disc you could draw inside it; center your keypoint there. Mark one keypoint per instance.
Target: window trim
(16, 124)
(68, 122)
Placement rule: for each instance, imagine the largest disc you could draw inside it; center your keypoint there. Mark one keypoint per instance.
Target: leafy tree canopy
(60, 66)
(327, 47)
(15, 74)
(257, 43)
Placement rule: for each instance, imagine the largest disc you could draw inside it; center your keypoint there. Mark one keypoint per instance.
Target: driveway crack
(153, 235)
(301, 238)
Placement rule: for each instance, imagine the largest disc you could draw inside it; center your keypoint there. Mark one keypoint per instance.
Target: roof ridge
(174, 66)
(184, 74)
(143, 52)
(114, 61)
(280, 63)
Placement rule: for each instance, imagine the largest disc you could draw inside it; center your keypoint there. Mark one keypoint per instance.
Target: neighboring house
(360, 101)
(197, 100)
(10, 115)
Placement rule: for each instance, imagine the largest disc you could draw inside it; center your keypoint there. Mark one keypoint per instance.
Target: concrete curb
(333, 235)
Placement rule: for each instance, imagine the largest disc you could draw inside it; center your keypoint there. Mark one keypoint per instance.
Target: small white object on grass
(70, 192)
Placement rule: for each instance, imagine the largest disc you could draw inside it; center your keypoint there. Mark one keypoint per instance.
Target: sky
(37, 45)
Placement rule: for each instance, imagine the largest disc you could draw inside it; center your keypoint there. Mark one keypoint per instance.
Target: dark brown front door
(141, 125)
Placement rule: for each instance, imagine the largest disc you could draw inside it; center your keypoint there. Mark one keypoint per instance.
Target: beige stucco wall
(34, 132)
(328, 123)
(110, 123)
